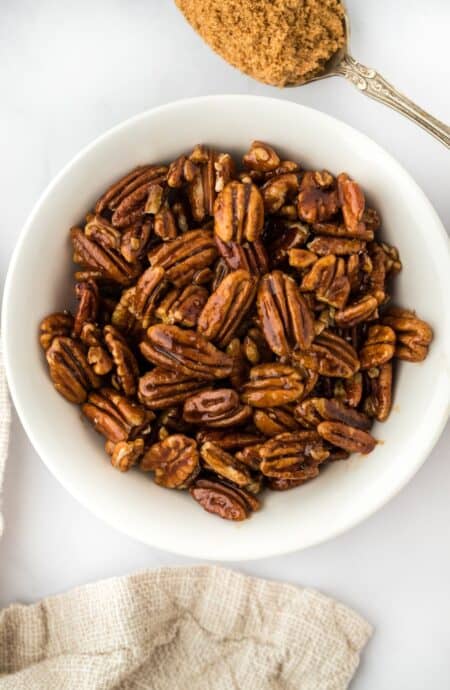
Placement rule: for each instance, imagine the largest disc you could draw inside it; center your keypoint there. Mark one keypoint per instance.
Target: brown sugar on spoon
(278, 42)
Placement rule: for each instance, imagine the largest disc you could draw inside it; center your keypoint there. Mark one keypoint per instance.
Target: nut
(289, 235)
(261, 157)
(250, 256)
(174, 461)
(185, 255)
(378, 403)
(349, 390)
(125, 454)
(225, 465)
(109, 262)
(285, 318)
(294, 455)
(327, 279)
(127, 370)
(183, 305)
(186, 352)
(148, 289)
(134, 241)
(276, 191)
(271, 385)
(413, 335)
(227, 502)
(229, 439)
(362, 310)
(69, 369)
(378, 348)
(339, 246)
(88, 305)
(329, 355)
(54, 325)
(271, 421)
(352, 202)
(115, 416)
(239, 213)
(317, 200)
(165, 224)
(347, 437)
(216, 408)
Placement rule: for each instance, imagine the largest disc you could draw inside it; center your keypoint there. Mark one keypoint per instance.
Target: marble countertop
(68, 72)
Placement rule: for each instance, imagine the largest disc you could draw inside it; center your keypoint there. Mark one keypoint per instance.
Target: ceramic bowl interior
(40, 281)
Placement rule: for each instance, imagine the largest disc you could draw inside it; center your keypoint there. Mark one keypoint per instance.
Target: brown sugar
(278, 42)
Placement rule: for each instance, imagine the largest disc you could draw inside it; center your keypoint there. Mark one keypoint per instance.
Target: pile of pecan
(232, 328)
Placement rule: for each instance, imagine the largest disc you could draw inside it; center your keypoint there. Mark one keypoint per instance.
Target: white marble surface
(69, 71)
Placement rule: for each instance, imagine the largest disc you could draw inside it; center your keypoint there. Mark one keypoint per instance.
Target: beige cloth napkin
(198, 628)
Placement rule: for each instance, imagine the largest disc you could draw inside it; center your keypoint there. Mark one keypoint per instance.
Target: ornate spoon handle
(374, 85)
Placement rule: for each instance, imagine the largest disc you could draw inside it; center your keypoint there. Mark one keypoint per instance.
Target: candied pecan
(284, 167)
(224, 168)
(276, 191)
(306, 414)
(122, 316)
(359, 270)
(115, 416)
(413, 335)
(125, 454)
(240, 370)
(54, 325)
(352, 202)
(261, 157)
(174, 461)
(221, 270)
(185, 255)
(183, 305)
(328, 279)
(88, 304)
(99, 230)
(109, 262)
(134, 241)
(347, 437)
(337, 230)
(255, 347)
(350, 390)
(69, 369)
(186, 352)
(282, 484)
(378, 348)
(181, 215)
(127, 198)
(155, 198)
(225, 465)
(371, 219)
(392, 259)
(203, 276)
(272, 385)
(289, 236)
(250, 256)
(127, 370)
(363, 309)
(148, 289)
(329, 355)
(335, 245)
(285, 318)
(239, 213)
(288, 212)
(250, 456)
(97, 355)
(226, 307)
(317, 200)
(216, 408)
(201, 190)
(301, 258)
(378, 403)
(293, 455)
(229, 439)
(337, 411)
(181, 170)
(225, 501)
(275, 420)
(377, 276)
(164, 224)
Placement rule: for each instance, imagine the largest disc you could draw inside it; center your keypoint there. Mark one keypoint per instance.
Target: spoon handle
(374, 85)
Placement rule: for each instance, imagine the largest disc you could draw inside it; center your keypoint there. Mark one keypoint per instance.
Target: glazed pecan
(352, 202)
(155, 198)
(285, 318)
(54, 325)
(301, 258)
(347, 437)
(109, 262)
(69, 369)
(271, 421)
(229, 439)
(115, 416)
(183, 305)
(99, 230)
(174, 461)
(294, 455)
(227, 502)
(378, 402)
(185, 255)
(250, 256)
(318, 199)
(125, 454)
(165, 224)
(329, 355)
(88, 305)
(186, 352)
(261, 157)
(134, 241)
(181, 170)
(276, 191)
(306, 414)
(289, 235)
(148, 289)
(201, 189)
(337, 411)
(126, 366)
(97, 354)
(349, 390)
(364, 309)
(217, 408)
(239, 213)
(327, 278)
(225, 465)
(221, 270)
(378, 348)
(413, 335)
(122, 316)
(272, 385)
(335, 245)
(239, 373)
(226, 307)
(360, 232)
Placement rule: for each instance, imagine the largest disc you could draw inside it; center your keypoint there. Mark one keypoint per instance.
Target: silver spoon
(372, 84)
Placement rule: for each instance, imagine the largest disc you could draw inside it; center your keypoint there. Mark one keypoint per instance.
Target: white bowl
(39, 281)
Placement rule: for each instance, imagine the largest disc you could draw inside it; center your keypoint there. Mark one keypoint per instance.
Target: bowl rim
(258, 551)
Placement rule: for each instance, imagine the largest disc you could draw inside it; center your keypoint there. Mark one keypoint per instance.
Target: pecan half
(54, 325)
(225, 465)
(294, 455)
(183, 305)
(226, 307)
(88, 305)
(350, 390)
(360, 232)
(337, 411)
(115, 416)
(109, 262)
(239, 213)
(378, 402)
(134, 241)
(347, 437)
(122, 316)
(165, 224)
(97, 355)
(285, 318)
(272, 385)
(271, 421)
(335, 245)
(227, 502)
(378, 348)
(250, 256)
(413, 335)
(185, 255)
(363, 309)
(69, 369)
(99, 230)
(125, 454)
(216, 408)
(317, 200)
(149, 288)
(186, 352)
(329, 355)
(352, 202)
(276, 191)
(174, 461)
(327, 278)
(301, 258)
(229, 439)
(127, 370)
(261, 157)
